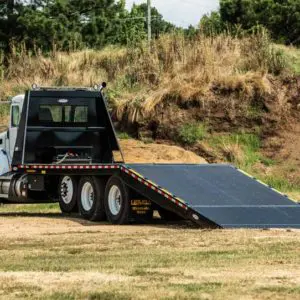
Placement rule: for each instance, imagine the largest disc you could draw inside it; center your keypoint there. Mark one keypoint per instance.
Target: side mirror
(7, 135)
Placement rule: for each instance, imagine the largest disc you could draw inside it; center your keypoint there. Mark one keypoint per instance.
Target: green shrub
(190, 134)
(123, 135)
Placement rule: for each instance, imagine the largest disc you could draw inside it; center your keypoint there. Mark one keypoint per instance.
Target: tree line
(280, 17)
(74, 24)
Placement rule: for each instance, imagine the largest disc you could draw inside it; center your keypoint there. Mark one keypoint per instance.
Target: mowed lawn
(46, 256)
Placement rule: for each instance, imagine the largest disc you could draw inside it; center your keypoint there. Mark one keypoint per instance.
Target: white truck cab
(8, 138)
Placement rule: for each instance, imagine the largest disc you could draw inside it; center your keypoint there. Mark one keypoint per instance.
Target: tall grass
(184, 71)
(176, 67)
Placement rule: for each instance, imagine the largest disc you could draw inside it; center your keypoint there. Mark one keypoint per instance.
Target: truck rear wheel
(90, 198)
(117, 201)
(67, 191)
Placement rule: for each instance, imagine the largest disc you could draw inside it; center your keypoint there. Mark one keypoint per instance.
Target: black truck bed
(223, 195)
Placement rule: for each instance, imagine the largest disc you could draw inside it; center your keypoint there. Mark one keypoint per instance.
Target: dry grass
(48, 257)
(176, 69)
(181, 71)
(83, 68)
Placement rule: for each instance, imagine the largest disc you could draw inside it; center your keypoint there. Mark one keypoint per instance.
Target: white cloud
(181, 12)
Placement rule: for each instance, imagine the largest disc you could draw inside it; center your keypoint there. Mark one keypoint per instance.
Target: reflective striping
(69, 167)
(154, 187)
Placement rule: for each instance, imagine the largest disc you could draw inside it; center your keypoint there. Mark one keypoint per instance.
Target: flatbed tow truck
(61, 146)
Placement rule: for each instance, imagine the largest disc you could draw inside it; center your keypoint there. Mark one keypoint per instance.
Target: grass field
(45, 256)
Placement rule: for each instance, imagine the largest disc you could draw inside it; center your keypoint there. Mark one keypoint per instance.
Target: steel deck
(221, 194)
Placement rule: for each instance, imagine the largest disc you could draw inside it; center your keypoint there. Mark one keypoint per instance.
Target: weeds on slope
(185, 72)
(175, 65)
(244, 151)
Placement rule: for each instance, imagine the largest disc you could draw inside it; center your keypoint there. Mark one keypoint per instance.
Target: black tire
(67, 203)
(168, 215)
(91, 210)
(123, 216)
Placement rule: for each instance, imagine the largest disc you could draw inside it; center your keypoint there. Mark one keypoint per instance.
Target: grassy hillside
(227, 99)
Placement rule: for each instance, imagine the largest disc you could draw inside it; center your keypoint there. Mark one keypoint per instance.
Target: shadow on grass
(156, 222)
(49, 215)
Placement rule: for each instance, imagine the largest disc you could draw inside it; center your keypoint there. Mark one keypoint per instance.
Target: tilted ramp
(218, 195)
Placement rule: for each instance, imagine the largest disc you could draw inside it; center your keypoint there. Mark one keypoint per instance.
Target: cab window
(81, 114)
(15, 116)
(63, 114)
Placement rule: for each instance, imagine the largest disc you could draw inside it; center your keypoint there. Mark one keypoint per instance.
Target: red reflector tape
(69, 167)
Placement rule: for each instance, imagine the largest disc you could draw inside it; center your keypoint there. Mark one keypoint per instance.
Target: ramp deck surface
(224, 195)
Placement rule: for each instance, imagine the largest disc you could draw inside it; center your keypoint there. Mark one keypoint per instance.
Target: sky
(181, 12)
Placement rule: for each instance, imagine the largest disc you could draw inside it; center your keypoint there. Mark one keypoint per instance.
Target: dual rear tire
(95, 199)
(91, 198)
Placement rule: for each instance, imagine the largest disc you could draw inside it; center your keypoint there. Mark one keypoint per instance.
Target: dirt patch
(139, 152)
